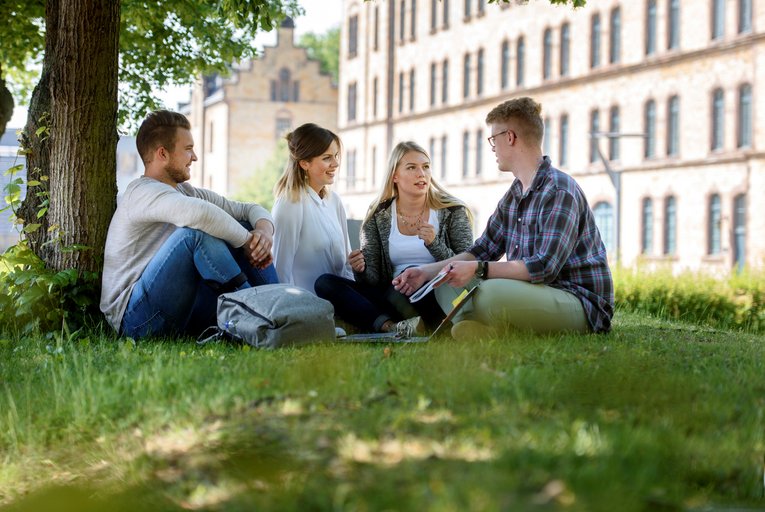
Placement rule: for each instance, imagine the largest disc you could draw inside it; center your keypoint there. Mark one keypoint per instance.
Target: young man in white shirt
(173, 248)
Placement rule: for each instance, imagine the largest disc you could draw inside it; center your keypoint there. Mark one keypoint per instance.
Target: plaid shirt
(552, 229)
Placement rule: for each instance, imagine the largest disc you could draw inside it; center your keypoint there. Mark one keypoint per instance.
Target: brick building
(237, 121)
(669, 86)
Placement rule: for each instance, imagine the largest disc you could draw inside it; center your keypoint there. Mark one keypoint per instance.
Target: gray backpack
(275, 315)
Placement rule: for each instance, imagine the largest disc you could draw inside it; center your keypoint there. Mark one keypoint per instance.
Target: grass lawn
(655, 416)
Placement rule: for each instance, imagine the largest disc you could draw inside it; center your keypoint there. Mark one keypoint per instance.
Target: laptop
(391, 337)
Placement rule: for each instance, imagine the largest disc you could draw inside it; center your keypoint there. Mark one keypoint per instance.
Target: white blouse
(310, 239)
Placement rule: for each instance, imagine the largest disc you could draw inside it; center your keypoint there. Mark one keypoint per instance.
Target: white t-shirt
(408, 250)
(310, 239)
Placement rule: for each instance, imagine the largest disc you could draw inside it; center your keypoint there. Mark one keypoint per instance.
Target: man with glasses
(556, 277)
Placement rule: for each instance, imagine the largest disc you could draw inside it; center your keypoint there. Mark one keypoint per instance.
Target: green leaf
(31, 228)
(33, 183)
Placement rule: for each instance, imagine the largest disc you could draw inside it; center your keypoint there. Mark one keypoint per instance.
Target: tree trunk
(37, 144)
(83, 141)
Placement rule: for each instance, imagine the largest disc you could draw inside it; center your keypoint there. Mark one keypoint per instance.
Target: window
(443, 156)
(613, 142)
(718, 116)
(433, 15)
(478, 151)
(714, 226)
(745, 116)
(373, 177)
(673, 126)
(718, 19)
(446, 13)
(375, 92)
(445, 82)
(466, 76)
(295, 91)
(547, 54)
(604, 219)
(520, 56)
(479, 73)
(595, 41)
(413, 23)
(352, 101)
(546, 137)
(505, 65)
(375, 41)
(646, 234)
(670, 226)
(350, 168)
(467, 8)
(283, 87)
(739, 231)
(649, 129)
(744, 16)
(353, 35)
(411, 90)
(565, 49)
(465, 153)
(481, 7)
(563, 141)
(401, 92)
(615, 38)
(283, 126)
(402, 21)
(594, 129)
(432, 84)
(650, 27)
(432, 152)
(673, 25)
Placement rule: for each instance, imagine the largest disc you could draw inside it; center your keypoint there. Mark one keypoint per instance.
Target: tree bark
(83, 141)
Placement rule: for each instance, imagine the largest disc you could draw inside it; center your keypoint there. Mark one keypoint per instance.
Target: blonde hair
(306, 142)
(437, 198)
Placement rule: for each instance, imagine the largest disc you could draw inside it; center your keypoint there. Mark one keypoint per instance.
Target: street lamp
(616, 180)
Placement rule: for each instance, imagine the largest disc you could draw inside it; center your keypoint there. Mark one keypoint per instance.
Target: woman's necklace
(412, 223)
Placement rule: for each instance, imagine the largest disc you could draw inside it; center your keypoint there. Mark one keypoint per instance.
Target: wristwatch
(482, 270)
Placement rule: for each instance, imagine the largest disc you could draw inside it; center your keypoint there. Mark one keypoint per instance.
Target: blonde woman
(414, 221)
(311, 231)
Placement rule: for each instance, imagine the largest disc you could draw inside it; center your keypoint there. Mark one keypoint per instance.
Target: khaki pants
(511, 304)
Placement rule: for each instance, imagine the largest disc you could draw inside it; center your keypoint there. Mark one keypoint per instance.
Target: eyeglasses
(492, 142)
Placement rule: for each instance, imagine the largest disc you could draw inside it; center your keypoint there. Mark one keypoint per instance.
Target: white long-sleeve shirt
(147, 214)
(311, 239)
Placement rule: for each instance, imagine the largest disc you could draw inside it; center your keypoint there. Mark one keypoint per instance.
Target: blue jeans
(178, 291)
(368, 307)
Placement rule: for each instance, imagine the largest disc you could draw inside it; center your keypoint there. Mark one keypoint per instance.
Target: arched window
(594, 130)
(563, 141)
(739, 231)
(615, 53)
(547, 54)
(595, 41)
(718, 19)
(673, 25)
(745, 116)
(505, 65)
(673, 126)
(520, 56)
(650, 28)
(283, 87)
(604, 219)
(718, 116)
(614, 127)
(744, 16)
(646, 235)
(714, 225)
(565, 49)
(649, 128)
(670, 225)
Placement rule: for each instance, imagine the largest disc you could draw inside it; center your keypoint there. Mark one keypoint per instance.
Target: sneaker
(470, 330)
(409, 327)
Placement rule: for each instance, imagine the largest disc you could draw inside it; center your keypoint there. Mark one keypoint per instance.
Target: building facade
(664, 94)
(237, 121)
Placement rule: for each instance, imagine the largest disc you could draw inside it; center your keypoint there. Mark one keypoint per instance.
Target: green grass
(655, 416)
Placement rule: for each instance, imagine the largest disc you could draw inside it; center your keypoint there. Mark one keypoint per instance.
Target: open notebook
(390, 337)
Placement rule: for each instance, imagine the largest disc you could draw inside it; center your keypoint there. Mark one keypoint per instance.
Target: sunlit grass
(656, 414)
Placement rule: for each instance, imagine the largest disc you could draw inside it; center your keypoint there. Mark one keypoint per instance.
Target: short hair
(159, 129)
(306, 142)
(525, 111)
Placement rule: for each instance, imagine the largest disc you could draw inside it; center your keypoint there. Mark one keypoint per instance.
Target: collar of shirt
(517, 187)
(315, 197)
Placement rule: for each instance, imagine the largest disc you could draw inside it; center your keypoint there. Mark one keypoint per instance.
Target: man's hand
(411, 279)
(460, 273)
(258, 248)
(356, 260)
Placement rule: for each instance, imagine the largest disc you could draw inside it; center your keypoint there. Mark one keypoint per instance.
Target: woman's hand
(427, 233)
(356, 260)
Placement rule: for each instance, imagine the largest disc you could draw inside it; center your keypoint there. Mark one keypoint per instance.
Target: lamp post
(616, 180)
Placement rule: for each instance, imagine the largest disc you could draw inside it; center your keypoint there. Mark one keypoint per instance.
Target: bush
(737, 302)
(33, 297)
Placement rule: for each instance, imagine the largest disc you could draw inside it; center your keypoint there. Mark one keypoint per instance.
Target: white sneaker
(340, 332)
(409, 327)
